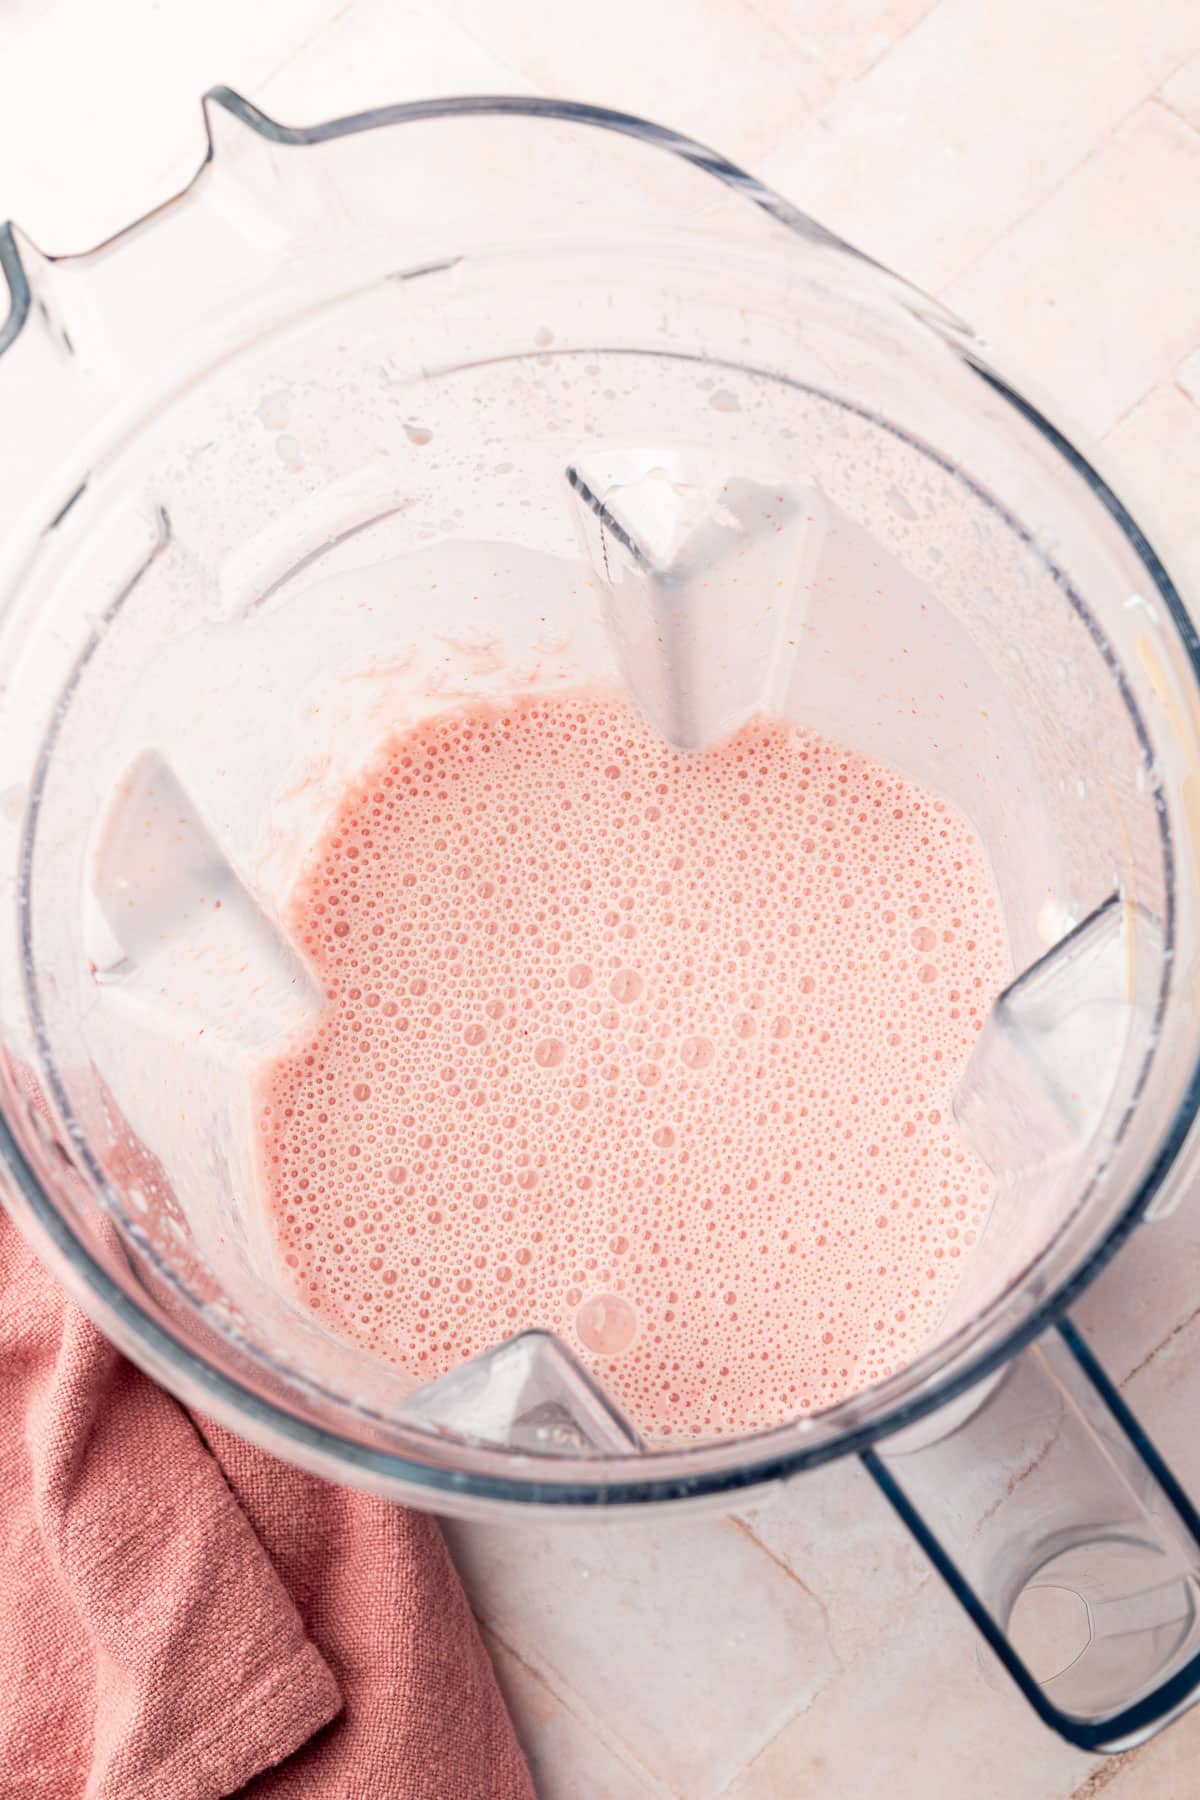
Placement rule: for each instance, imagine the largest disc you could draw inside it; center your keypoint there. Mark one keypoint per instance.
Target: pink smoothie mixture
(652, 1050)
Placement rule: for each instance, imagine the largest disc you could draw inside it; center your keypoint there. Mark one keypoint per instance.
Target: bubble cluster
(649, 1049)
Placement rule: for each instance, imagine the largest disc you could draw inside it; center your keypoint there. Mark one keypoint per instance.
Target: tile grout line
(1105, 1772)
(789, 43)
(1127, 411)
(1152, 97)
(794, 46)
(1169, 106)
(840, 1665)
(1163, 1344)
(578, 1709)
(781, 1563)
(1166, 381)
(431, 16)
(809, 46)
(519, 70)
(772, 1737)
(305, 44)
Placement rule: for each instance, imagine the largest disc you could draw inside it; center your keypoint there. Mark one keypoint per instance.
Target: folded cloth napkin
(183, 1617)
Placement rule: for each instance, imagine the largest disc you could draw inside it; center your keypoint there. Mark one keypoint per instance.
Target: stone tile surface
(671, 61)
(969, 122)
(928, 1713)
(1182, 91)
(1094, 294)
(866, 1590)
(571, 1757)
(692, 1642)
(847, 35)
(1156, 446)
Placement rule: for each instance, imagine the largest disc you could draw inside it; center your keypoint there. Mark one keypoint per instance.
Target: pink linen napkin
(183, 1617)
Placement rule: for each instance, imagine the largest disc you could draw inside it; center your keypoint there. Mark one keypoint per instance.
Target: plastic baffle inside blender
(679, 544)
(1060, 1047)
(186, 937)
(529, 1393)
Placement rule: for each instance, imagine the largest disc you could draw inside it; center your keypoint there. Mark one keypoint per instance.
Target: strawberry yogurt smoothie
(653, 1050)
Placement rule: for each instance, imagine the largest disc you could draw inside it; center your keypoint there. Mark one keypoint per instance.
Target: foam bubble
(607, 1324)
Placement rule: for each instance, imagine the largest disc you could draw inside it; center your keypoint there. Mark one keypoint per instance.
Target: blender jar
(453, 400)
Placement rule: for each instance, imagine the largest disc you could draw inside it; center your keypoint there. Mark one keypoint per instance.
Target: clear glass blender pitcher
(296, 453)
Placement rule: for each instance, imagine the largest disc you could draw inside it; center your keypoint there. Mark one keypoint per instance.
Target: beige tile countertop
(1037, 164)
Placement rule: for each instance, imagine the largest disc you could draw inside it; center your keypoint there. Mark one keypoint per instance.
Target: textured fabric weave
(183, 1617)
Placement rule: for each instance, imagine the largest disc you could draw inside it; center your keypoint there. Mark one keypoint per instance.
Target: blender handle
(1051, 1495)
